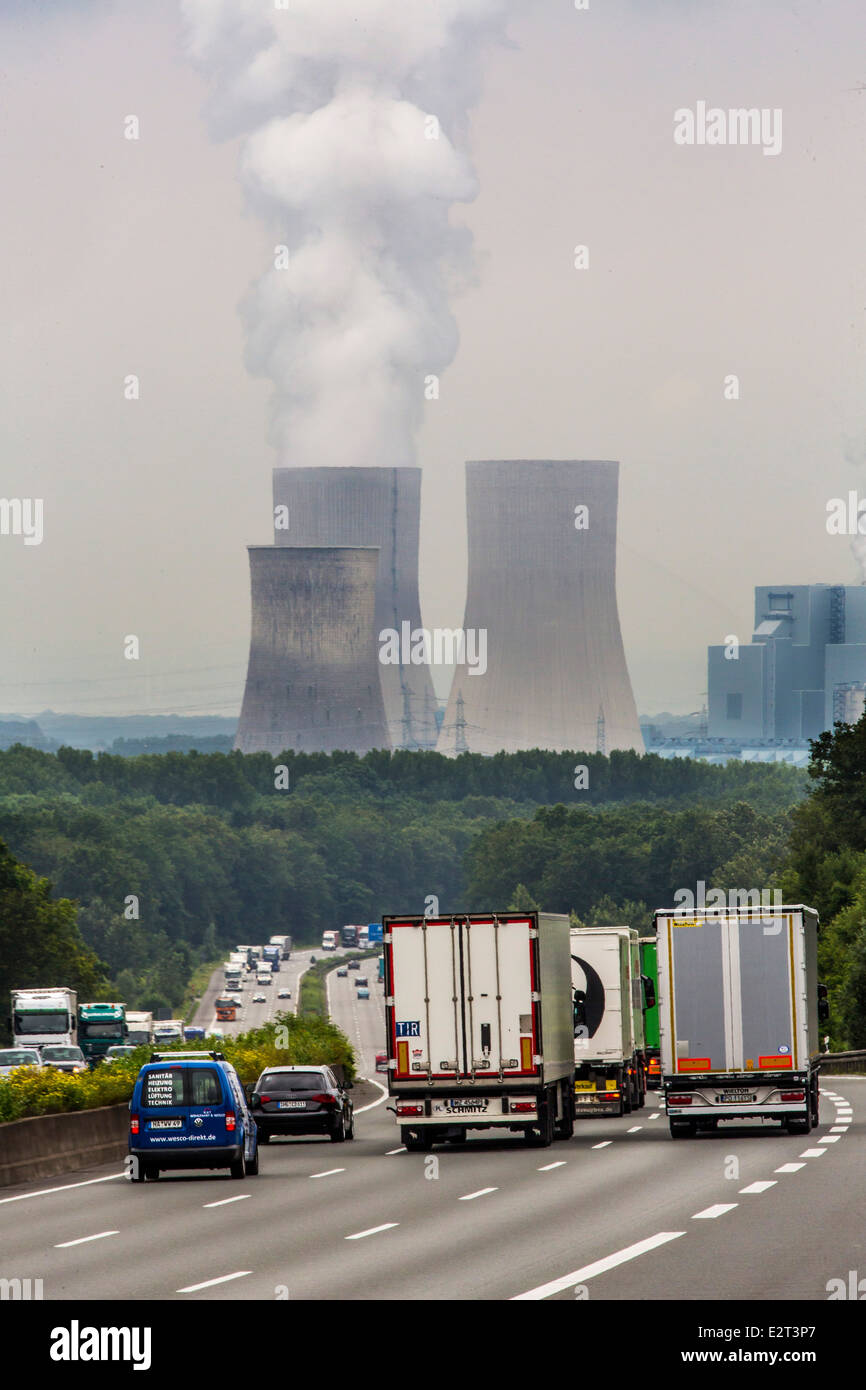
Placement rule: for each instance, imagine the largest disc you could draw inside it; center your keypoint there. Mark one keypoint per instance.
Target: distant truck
(329, 941)
(285, 945)
(139, 1028)
(609, 1001)
(167, 1030)
(649, 970)
(48, 1015)
(479, 1026)
(193, 1034)
(101, 1026)
(264, 974)
(233, 977)
(349, 936)
(381, 975)
(272, 955)
(226, 1009)
(739, 1010)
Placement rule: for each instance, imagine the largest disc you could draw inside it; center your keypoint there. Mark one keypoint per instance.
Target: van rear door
(163, 1111)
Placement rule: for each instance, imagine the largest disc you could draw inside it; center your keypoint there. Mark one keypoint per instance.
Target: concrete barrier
(44, 1145)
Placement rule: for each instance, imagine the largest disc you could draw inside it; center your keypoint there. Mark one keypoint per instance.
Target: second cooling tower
(370, 507)
(542, 591)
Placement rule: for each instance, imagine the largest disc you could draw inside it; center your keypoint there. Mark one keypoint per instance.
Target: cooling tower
(542, 585)
(313, 674)
(364, 507)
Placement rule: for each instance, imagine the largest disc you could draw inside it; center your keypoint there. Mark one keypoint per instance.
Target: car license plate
(584, 1085)
(166, 1124)
(292, 1105)
(736, 1097)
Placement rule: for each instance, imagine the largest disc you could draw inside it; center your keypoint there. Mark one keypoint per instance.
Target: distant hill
(99, 732)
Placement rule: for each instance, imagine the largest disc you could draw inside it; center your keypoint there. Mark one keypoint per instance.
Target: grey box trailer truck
(738, 1016)
(479, 1025)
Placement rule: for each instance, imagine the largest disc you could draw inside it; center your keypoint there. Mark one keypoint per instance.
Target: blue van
(188, 1110)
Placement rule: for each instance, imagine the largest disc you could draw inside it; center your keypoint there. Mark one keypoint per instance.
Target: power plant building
(541, 604)
(313, 676)
(369, 507)
(803, 671)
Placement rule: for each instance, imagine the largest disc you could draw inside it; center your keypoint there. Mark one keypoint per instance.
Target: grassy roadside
(312, 995)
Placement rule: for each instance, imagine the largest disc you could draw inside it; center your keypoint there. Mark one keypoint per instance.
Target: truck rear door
(462, 992)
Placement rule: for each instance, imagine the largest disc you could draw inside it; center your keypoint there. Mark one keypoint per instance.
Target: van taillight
(133, 1124)
(230, 1119)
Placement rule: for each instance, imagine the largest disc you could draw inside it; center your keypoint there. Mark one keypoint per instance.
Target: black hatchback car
(302, 1100)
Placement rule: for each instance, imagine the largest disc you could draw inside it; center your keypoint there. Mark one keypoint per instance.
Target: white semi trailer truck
(479, 1026)
(739, 1009)
(610, 999)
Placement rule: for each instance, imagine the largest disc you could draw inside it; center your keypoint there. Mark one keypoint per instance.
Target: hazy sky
(124, 257)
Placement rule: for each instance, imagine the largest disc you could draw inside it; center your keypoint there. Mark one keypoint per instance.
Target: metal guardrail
(841, 1063)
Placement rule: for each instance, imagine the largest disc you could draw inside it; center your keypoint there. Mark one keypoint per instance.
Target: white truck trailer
(479, 1026)
(609, 998)
(48, 1016)
(167, 1030)
(140, 1026)
(739, 1009)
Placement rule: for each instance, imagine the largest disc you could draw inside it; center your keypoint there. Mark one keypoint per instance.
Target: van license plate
(292, 1105)
(166, 1124)
(736, 1097)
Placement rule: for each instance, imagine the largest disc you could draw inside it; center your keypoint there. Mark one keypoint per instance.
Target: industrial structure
(803, 671)
(313, 676)
(542, 588)
(369, 507)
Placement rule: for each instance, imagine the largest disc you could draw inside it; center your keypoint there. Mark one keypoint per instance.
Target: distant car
(284, 994)
(354, 965)
(302, 1100)
(361, 980)
(12, 1057)
(362, 993)
(342, 973)
(381, 1061)
(260, 999)
(70, 1059)
(119, 1050)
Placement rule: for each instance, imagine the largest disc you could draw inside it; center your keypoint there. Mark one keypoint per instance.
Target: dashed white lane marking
(603, 1145)
(812, 1153)
(329, 1174)
(839, 1129)
(67, 1187)
(244, 1197)
(654, 1115)
(209, 1283)
(579, 1276)
(830, 1139)
(560, 1163)
(789, 1168)
(389, 1152)
(65, 1244)
(710, 1213)
(758, 1186)
(373, 1231)
(482, 1192)
(634, 1129)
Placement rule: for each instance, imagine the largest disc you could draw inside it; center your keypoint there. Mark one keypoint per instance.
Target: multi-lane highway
(619, 1212)
(255, 1015)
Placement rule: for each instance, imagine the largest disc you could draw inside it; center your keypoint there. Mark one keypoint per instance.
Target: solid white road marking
(244, 1197)
(373, 1231)
(710, 1213)
(830, 1139)
(209, 1283)
(482, 1192)
(373, 1103)
(560, 1163)
(329, 1174)
(758, 1186)
(67, 1187)
(812, 1153)
(64, 1244)
(789, 1168)
(578, 1276)
(634, 1129)
(603, 1145)
(389, 1152)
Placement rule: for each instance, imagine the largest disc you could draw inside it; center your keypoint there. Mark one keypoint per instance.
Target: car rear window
(292, 1081)
(163, 1088)
(16, 1059)
(204, 1086)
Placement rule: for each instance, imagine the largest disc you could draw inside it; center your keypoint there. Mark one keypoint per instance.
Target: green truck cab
(649, 970)
(101, 1026)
